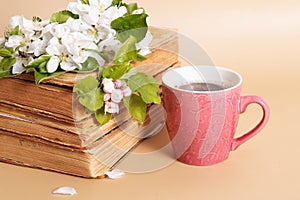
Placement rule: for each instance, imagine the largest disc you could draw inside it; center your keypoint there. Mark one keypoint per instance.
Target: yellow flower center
(93, 31)
(102, 8)
(36, 23)
(63, 58)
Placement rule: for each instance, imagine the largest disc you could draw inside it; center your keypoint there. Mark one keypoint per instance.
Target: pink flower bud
(118, 83)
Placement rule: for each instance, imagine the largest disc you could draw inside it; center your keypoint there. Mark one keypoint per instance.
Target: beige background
(259, 39)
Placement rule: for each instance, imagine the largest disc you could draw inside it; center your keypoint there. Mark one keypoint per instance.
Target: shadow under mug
(202, 124)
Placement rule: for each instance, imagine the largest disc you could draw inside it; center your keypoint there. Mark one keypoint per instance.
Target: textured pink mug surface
(202, 124)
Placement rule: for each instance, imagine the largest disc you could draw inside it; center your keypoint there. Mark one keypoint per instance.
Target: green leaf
(6, 53)
(16, 31)
(101, 117)
(150, 93)
(90, 95)
(115, 72)
(37, 62)
(127, 51)
(140, 79)
(5, 67)
(39, 77)
(130, 73)
(136, 107)
(93, 100)
(4, 74)
(100, 72)
(131, 7)
(147, 86)
(85, 85)
(42, 68)
(85, 1)
(90, 65)
(131, 25)
(126, 101)
(63, 16)
(7, 63)
(141, 58)
(117, 3)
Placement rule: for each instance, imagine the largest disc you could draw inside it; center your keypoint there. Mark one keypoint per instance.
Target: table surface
(260, 40)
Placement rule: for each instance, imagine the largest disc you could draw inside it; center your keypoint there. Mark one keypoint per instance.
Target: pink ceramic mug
(202, 124)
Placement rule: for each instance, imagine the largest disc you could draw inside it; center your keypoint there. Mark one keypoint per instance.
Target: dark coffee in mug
(203, 87)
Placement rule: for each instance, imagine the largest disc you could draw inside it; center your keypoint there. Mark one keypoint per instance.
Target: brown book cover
(44, 126)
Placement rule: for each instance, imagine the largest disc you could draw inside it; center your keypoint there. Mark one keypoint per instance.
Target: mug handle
(245, 101)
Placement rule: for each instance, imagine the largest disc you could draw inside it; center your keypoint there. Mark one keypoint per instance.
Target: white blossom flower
(103, 25)
(18, 67)
(77, 25)
(109, 45)
(71, 45)
(126, 91)
(105, 32)
(67, 65)
(55, 47)
(85, 11)
(89, 12)
(74, 43)
(59, 52)
(84, 38)
(111, 107)
(117, 95)
(59, 30)
(111, 14)
(29, 45)
(37, 47)
(31, 39)
(14, 41)
(25, 25)
(80, 47)
(102, 5)
(46, 33)
(28, 27)
(40, 25)
(108, 85)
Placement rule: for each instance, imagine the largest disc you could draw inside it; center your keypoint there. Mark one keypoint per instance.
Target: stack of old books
(43, 126)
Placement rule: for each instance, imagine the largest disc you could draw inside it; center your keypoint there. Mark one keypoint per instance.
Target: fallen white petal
(65, 191)
(115, 174)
